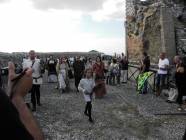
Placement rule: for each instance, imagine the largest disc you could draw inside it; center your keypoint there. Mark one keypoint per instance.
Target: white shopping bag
(173, 94)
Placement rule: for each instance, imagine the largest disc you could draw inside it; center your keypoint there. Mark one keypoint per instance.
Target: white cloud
(23, 27)
(99, 9)
(112, 9)
(82, 5)
(4, 1)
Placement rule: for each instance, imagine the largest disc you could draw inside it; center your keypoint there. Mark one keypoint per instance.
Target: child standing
(86, 86)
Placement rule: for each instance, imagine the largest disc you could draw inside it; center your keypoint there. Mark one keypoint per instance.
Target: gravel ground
(120, 115)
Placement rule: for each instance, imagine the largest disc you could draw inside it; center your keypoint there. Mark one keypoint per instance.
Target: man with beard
(34, 63)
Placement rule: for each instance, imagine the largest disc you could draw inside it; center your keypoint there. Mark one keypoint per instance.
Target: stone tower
(155, 26)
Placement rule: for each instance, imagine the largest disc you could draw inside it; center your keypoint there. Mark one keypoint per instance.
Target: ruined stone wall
(155, 26)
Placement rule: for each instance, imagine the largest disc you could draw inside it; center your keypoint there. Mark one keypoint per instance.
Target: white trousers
(124, 75)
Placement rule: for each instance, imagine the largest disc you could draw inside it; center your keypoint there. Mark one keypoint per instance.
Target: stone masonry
(155, 26)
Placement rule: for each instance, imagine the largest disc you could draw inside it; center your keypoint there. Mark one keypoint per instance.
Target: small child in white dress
(86, 86)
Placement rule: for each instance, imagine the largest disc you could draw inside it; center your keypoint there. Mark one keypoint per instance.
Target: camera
(4, 71)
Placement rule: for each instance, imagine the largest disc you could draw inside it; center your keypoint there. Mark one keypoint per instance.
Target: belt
(163, 69)
(37, 77)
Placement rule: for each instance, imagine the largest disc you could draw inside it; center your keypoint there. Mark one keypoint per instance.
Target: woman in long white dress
(62, 69)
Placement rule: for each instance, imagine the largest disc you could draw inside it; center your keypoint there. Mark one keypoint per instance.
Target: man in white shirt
(35, 65)
(163, 66)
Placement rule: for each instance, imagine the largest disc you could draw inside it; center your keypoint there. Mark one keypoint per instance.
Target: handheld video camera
(4, 71)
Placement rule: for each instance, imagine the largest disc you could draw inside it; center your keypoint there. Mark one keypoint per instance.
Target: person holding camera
(1, 84)
(35, 65)
(17, 122)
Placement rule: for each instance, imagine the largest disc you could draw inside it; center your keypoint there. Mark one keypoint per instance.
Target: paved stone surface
(121, 115)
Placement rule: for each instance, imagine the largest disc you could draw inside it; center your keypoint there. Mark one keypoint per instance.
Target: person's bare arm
(20, 90)
(27, 118)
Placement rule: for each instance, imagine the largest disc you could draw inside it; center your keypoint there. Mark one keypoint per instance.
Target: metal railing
(134, 71)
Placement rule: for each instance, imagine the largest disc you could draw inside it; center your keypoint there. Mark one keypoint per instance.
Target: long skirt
(52, 78)
(100, 89)
(62, 78)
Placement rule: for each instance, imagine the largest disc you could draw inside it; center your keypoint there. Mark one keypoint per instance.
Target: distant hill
(93, 51)
(17, 57)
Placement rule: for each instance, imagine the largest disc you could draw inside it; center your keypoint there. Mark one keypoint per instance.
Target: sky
(62, 25)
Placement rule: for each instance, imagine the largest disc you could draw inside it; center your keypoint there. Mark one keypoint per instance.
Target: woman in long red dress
(98, 69)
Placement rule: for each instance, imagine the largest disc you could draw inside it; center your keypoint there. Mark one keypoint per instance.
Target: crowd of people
(163, 77)
(90, 78)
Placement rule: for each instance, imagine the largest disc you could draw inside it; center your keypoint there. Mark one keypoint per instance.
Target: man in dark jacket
(124, 69)
(78, 71)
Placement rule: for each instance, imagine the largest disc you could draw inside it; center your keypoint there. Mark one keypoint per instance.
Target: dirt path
(121, 115)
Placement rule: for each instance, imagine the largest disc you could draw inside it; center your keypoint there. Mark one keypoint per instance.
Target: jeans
(160, 83)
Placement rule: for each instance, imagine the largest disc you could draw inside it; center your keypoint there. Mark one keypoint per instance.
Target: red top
(98, 69)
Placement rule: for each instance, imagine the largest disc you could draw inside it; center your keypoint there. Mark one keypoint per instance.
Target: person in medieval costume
(35, 65)
(98, 70)
(52, 73)
(86, 86)
(78, 71)
(89, 64)
(62, 69)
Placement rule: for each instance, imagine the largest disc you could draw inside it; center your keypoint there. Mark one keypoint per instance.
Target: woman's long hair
(85, 72)
(61, 60)
(99, 58)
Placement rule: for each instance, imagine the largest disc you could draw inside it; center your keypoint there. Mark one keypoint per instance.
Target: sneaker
(180, 108)
(168, 101)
